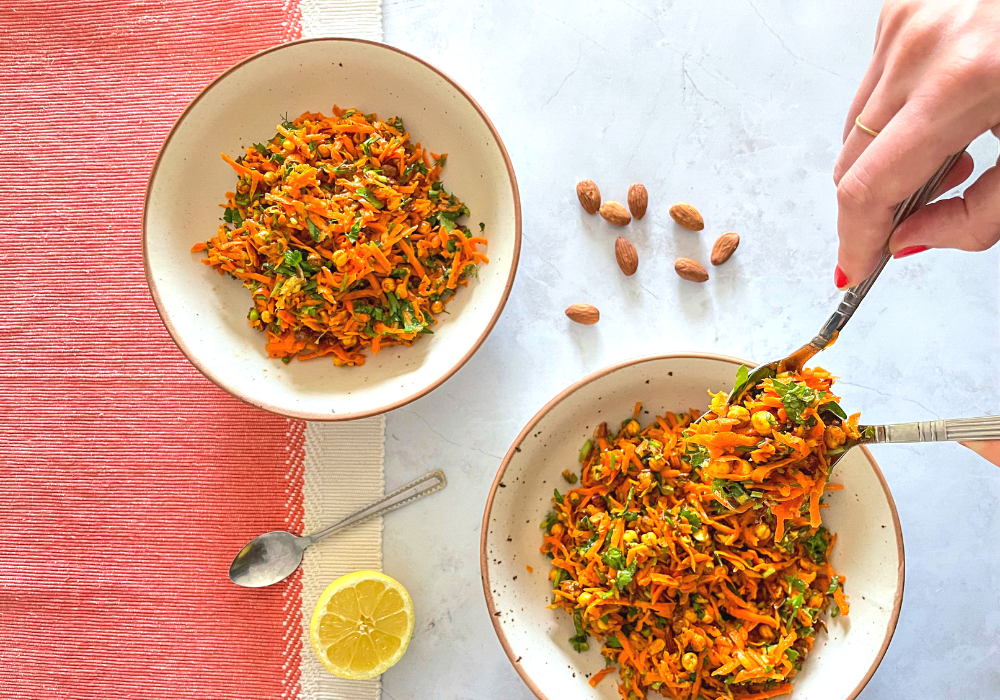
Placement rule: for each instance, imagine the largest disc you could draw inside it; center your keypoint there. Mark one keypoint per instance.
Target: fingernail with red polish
(839, 278)
(912, 250)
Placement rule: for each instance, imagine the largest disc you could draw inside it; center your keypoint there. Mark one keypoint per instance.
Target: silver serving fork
(953, 430)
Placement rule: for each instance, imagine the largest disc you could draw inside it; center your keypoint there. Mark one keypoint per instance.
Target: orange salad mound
(344, 234)
(694, 552)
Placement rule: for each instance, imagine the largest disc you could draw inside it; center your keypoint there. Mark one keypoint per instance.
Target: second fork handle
(954, 430)
(853, 296)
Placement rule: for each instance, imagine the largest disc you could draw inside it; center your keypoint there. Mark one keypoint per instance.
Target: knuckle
(854, 192)
(972, 64)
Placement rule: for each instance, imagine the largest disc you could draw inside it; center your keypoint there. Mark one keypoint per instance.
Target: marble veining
(736, 106)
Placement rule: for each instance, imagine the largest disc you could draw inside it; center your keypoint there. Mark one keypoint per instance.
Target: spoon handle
(856, 294)
(956, 429)
(425, 485)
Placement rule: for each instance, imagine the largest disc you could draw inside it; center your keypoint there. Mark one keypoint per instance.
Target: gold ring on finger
(857, 123)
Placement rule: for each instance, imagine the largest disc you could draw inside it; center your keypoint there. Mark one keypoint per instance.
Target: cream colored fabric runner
(343, 461)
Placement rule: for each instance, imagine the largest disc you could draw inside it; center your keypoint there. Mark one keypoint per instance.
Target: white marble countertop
(736, 106)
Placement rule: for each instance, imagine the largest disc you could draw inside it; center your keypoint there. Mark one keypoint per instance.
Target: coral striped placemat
(130, 480)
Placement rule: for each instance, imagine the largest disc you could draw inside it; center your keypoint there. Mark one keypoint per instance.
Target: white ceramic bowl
(206, 312)
(869, 549)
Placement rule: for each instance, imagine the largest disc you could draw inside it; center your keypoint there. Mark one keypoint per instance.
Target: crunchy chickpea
(834, 437)
(702, 535)
(348, 341)
(601, 625)
(282, 219)
(324, 150)
(679, 625)
(765, 633)
(762, 531)
(314, 259)
(340, 258)
(424, 227)
(557, 529)
(762, 422)
(270, 177)
(649, 539)
(738, 413)
(698, 641)
(585, 598)
(388, 284)
(657, 646)
(243, 187)
(266, 316)
(690, 615)
(630, 536)
(437, 307)
(552, 574)
(689, 661)
(632, 428)
(707, 617)
(288, 145)
(744, 469)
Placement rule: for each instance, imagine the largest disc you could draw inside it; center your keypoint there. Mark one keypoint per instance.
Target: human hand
(988, 450)
(932, 87)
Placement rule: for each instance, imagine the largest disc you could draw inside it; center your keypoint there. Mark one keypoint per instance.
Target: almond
(615, 213)
(687, 216)
(583, 313)
(628, 259)
(691, 270)
(590, 196)
(725, 247)
(638, 199)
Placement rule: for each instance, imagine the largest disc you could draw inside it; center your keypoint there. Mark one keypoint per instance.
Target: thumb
(988, 450)
(970, 222)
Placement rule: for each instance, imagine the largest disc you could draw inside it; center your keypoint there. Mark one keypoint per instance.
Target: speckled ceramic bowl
(869, 549)
(206, 312)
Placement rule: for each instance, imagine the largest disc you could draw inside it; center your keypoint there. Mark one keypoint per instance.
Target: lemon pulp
(361, 625)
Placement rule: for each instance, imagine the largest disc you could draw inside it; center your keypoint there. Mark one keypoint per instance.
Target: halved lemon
(361, 625)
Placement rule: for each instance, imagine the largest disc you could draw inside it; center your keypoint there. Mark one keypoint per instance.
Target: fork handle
(853, 296)
(956, 429)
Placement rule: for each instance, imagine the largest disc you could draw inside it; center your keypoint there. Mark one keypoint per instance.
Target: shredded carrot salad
(695, 553)
(342, 231)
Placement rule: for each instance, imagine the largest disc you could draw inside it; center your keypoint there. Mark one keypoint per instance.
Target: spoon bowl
(267, 559)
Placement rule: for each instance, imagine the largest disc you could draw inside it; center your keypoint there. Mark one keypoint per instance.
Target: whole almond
(687, 216)
(590, 196)
(615, 213)
(638, 199)
(583, 313)
(628, 259)
(691, 270)
(724, 247)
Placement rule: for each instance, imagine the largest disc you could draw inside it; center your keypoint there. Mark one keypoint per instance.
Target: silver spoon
(273, 556)
(951, 430)
(852, 297)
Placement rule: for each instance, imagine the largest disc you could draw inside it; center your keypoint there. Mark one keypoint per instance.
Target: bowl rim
(562, 395)
(309, 415)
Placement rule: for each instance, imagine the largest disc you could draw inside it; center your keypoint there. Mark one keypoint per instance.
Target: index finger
(896, 164)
